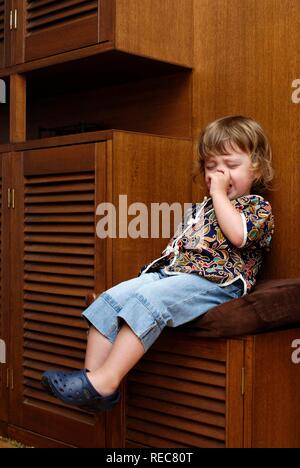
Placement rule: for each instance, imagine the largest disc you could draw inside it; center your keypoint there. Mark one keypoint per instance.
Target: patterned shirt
(199, 245)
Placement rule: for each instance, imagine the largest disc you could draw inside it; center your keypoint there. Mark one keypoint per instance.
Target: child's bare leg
(126, 351)
(97, 351)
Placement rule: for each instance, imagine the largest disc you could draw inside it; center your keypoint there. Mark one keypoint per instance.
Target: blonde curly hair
(239, 132)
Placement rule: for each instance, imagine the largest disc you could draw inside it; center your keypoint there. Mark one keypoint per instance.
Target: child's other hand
(219, 181)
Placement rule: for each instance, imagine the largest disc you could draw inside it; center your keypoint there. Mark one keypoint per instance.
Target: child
(213, 257)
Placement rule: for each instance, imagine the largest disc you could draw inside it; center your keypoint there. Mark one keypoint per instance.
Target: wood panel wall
(246, 58)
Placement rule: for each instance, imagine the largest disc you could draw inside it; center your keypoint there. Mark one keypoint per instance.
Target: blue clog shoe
(74, 388)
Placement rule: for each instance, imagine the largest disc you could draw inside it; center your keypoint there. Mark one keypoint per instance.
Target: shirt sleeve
(258, 221)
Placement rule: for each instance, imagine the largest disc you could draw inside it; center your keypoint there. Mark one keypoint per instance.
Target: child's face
(237, 167)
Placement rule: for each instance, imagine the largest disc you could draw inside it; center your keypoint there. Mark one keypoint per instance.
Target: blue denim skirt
(152, 301)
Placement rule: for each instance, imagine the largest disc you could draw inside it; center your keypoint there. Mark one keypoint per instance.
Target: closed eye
(209, 167)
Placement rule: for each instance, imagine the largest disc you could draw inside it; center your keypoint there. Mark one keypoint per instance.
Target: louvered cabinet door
(58, 261)
(53, 27)
(5, 33)
(2, 24)
(5, 177)
(3, 402)
(186, 392)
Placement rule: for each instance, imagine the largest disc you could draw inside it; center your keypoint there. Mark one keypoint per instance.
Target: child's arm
(229, 219)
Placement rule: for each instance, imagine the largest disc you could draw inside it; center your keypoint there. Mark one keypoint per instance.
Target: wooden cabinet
(187, 395)
(215, 393)
(56, 260)
(82, 98)
(2, 33)
(55, 27)
(38, 29)
(97, 64)
(4, 285)
(55, 193)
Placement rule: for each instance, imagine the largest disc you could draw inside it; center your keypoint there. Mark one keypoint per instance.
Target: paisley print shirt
(199, 245)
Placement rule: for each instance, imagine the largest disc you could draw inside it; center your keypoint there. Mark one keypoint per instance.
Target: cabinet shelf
(160, 105)
(36, 34)
(119, 91)
(108, 68)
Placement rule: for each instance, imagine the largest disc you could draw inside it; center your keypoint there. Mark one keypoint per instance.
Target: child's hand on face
(218, 182)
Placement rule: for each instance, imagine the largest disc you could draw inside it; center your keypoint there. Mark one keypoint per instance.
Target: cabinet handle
(10, 20)
(16, 19)
(7, 378)
(8, 198)
(13, 198)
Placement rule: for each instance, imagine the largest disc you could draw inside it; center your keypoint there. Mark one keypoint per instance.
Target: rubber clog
(74, 388)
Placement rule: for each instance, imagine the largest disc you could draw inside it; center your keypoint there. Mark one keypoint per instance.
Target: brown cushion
(272, 304)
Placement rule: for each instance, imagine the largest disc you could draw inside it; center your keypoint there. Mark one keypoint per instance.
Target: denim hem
(145, 324)
(99, 315)
(110, 337)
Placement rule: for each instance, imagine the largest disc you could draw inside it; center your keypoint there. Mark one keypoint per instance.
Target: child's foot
(102, 384)
(74, 388)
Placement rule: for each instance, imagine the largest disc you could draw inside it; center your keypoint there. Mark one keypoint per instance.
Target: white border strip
(245, 230)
